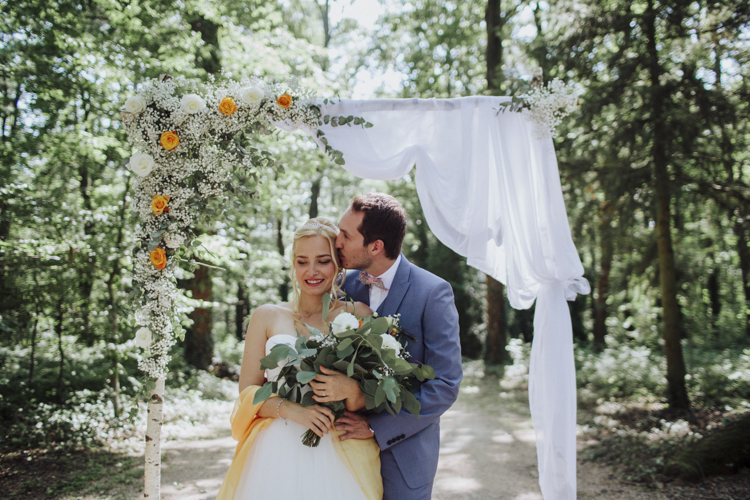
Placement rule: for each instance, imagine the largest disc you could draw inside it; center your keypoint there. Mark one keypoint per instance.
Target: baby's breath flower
(179, 128)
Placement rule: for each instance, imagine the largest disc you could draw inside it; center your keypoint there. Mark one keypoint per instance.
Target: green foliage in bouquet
(366, 350)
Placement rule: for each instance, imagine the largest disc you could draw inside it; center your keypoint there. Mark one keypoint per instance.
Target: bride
(270, 461)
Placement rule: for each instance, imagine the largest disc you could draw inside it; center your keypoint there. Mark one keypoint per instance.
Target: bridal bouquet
(367, 350)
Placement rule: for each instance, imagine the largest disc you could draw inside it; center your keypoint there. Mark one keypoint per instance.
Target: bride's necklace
(306, 316)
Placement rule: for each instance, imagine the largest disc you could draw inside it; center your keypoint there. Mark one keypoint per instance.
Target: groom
(371, 233)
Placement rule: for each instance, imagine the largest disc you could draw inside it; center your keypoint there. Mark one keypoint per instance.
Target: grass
(73, 474)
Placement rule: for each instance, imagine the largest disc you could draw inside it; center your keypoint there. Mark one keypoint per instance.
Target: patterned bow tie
(368, 280)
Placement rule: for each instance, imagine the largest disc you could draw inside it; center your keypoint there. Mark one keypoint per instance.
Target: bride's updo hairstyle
(319, 226)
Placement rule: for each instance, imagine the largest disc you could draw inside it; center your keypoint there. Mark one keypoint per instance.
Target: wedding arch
(487, 180)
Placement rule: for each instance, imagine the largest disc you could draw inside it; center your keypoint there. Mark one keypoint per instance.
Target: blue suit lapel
(356, 291)
(397, 291)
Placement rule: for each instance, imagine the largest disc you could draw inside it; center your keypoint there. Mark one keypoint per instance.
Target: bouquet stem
(309, 438)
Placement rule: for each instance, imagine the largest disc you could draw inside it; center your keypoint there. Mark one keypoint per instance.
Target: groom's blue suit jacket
(428, 312)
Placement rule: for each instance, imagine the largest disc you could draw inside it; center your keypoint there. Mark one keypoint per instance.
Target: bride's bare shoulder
(359, 309)
(270, 312)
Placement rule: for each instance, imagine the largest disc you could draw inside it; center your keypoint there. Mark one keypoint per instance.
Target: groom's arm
(442, 351)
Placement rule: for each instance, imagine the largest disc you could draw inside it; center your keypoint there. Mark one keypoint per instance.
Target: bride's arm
(317, 418)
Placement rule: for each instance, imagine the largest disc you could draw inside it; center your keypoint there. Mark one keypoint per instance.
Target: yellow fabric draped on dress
(361, 456)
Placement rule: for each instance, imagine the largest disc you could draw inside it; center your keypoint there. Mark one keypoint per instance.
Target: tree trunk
(284, 286)
(152, 471)
(114, 335)
(59, 332)
(32, 360)
(241, 311)
(607, 256)
(207, 56)
(88, 264)
(676, 390)
(494, 52)
(712, 285)
(315, 195)
(497, 339)
(740, 231)
(199, 344)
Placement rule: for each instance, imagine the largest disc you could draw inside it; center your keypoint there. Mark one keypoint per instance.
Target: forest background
(653, 163)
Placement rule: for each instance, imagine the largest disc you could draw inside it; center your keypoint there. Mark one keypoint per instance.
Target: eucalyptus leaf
(389, 386)
(379, 396)
(313, 330)
(278, 352)
(305, 377)
(397, 405)
(344, 344)
(326, 304)
(307, 399)
(263, 393)
(411, 403)
(428, 372)
(341, 365)
(345, 352)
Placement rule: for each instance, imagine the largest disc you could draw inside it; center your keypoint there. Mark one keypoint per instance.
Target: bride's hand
(317, 418)
(333, 386)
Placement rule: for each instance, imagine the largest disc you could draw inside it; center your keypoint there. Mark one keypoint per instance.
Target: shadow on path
(487, 452)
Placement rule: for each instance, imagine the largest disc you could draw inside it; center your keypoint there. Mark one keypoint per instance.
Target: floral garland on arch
(544, 106)
(191, 141)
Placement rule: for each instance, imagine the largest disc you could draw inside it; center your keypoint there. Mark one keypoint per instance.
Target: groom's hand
(353, 426)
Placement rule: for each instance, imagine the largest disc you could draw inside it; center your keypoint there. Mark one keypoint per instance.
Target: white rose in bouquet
(135, 104)
(390, 342)
(252, 95)
(143, 337)
(192, 103)
(343, 322)
(141, 164)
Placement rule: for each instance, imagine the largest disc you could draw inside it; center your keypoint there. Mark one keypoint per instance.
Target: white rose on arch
(252, 95)
(192, 103)
(135, 104)
(143, 337)
(390, 342)
(141, 164)
(343, 322)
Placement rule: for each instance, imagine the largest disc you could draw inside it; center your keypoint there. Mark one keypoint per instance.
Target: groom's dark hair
(384, 219)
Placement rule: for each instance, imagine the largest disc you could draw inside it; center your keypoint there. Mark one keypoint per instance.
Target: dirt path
(487, 452)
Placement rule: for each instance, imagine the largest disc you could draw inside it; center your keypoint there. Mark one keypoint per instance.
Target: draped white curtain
(490, 190)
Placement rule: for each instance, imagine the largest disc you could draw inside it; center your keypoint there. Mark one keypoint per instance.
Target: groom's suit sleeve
(442, 351)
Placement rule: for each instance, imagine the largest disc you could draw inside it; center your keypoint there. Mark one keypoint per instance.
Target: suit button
(402, 436)
(390, 441)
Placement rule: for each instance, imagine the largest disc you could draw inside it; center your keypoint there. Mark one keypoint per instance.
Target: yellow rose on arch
(159, 204)
(169, 140)
(284, 100)
(227, 106)
(158, 258)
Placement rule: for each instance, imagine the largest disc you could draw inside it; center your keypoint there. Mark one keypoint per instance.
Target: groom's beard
(361, 261)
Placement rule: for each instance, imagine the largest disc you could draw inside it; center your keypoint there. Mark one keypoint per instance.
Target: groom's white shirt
(377, 296)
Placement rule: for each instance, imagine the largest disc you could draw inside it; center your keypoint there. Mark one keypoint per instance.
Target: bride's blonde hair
(319, 226)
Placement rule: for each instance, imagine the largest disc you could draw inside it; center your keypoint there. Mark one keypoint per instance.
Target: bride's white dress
(279, 466)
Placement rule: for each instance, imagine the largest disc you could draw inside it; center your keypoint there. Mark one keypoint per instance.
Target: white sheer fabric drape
(490, 190)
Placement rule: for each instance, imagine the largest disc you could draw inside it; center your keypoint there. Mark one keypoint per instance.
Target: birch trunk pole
(152, 470)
